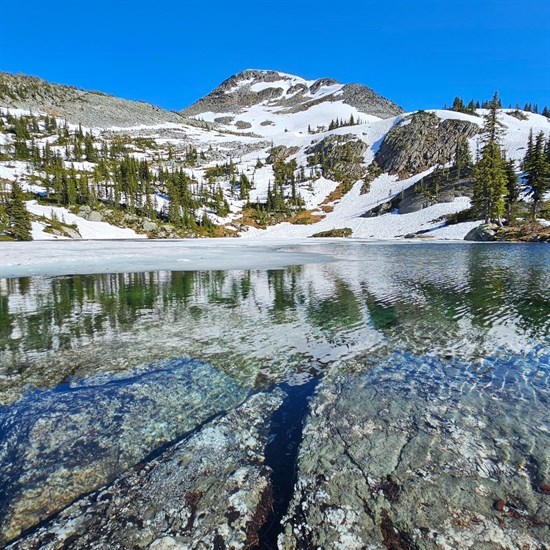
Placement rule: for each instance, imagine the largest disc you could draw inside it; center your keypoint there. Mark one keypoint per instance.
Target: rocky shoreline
(398, 451)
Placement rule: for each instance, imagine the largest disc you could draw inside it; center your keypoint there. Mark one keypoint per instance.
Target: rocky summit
(289, 94)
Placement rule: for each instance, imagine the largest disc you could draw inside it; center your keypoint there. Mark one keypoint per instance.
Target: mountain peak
(287, 93)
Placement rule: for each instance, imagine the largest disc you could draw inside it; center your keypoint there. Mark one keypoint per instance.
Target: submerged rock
(211, 490)
(420, 452)
(56, 445)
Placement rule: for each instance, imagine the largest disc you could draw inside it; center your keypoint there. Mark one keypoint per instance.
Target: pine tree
(492, 128)
(458, 105)
(489, 183)
(512, 189)
(489, 171)
(89, 149)
(538, 173)
(529, 153)
(19, 220)
(244, 184)
(463, 156)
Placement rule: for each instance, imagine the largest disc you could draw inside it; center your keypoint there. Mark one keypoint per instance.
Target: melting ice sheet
(82, 257)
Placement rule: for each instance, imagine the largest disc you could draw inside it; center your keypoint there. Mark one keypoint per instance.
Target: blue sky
(419, 53)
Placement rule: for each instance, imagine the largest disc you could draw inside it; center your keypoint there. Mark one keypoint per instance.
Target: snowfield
(263, 126)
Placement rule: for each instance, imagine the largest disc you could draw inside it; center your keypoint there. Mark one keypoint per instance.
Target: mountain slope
(280, 157)
(92, 109)
(275, 93)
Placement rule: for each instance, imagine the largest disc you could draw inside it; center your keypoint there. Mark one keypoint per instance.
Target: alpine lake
(396, 396)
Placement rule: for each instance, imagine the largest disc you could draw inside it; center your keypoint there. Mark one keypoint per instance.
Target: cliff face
(420, 141)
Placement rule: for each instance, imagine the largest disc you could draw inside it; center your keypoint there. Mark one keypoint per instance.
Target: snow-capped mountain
(328, 156)
(260, 101)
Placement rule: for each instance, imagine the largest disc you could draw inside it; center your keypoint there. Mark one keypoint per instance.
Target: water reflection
(452, 299)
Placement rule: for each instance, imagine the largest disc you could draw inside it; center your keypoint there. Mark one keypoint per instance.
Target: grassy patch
(306, 217)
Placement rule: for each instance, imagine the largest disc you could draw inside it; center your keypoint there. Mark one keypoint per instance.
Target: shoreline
(88, 257)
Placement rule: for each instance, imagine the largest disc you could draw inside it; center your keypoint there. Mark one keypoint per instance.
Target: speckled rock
(484, 232)
(56, 445)
(414, 453)
(420, 141)
(211, 490)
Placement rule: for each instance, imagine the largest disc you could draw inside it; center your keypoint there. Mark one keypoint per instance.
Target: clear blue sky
(419, 53)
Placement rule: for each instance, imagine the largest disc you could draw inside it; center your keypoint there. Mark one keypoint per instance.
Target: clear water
(187, 345)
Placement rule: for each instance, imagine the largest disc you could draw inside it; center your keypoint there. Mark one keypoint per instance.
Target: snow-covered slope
(242, 122)
(260, 101)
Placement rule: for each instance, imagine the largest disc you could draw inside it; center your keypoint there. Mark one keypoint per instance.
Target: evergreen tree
(89, 149)
(489, 171)
(19, 220)
(512, 188)
(492, 128)
(529, 153)
(489, 183)
(244, 191)
(538, 173)
(458, 105)
(463, 156)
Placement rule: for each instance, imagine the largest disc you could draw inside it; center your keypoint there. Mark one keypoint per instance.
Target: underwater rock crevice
(282, 457)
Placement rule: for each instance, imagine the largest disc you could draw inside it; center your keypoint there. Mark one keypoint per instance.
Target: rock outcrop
(211, 490)
(341, 157)
(421, 141)
(440, 186)
(484, 232)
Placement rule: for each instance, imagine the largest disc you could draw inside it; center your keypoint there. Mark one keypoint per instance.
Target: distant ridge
(90, 108)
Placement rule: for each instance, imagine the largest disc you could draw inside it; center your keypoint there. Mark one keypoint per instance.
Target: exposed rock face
(211, 490)
(438, 187)
(59, 444)
(415, 453)
(484, 232)
(421, 141)
(290, 94)
(93, 109)
(340, 156)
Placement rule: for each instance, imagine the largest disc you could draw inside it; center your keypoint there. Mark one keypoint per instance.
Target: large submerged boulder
(58, 444)
(422, 452)
(211, 490)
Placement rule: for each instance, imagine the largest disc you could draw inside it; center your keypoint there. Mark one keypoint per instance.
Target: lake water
(99, 371)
